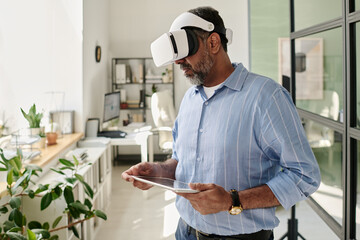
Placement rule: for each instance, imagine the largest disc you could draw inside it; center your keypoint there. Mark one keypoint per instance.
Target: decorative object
(97, 53)
(309, 66)
(51, 136)
(65, 119)
(32, 117)
(19, 185)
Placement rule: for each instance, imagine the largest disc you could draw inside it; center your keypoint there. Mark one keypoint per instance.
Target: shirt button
(201, 130)
(206, 103)
(198, 159)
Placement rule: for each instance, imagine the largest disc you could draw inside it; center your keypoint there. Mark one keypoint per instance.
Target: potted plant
(51, 136)
(18, 181)
(34, 120)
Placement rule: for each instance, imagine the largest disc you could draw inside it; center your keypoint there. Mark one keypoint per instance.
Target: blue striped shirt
(247, 134)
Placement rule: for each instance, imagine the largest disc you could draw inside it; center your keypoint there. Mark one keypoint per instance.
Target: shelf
(143, 69)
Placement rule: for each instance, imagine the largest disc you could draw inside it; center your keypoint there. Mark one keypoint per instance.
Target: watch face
(235, 210)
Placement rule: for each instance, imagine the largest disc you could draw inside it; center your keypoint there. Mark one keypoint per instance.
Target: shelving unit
(135, 78)
(97, 175)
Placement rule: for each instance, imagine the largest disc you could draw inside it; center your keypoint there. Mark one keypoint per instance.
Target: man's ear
(214, 42)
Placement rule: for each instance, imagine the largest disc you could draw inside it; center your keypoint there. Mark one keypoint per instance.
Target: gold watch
(236, 207)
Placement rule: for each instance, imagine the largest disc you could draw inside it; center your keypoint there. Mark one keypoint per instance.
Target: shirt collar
(235, 81)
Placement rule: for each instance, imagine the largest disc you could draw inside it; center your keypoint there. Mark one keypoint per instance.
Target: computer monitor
(111, 106)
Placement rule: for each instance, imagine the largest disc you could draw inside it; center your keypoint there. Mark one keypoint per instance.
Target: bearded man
(238, 141)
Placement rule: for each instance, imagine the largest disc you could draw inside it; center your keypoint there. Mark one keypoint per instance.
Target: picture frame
(65, 119)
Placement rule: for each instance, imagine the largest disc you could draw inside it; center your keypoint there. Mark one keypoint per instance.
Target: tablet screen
(166, 183)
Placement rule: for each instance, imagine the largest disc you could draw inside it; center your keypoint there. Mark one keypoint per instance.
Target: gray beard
(204, 67)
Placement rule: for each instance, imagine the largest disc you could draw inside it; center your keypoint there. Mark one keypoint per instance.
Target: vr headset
(181, 42)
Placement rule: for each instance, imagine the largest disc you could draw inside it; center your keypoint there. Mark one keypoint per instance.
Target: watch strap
(235, 198)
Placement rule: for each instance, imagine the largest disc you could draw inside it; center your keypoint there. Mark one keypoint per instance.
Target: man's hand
(212, 198)
(141, 169)
(163, 169)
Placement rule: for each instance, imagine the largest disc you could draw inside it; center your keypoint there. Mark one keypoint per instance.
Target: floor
(134, 214)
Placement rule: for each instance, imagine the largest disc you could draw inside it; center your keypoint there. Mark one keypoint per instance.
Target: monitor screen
(111, 106)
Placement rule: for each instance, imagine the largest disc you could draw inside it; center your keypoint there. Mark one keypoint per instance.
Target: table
(143, 139)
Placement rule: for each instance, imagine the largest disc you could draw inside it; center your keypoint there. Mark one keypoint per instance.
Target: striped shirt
(245, 135)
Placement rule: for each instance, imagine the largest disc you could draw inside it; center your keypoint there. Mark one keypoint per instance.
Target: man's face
(197, 67)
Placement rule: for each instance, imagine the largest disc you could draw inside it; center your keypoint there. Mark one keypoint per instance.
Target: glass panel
(357, 5)
(310, 225)
(358, 74)
(327, 147)
(319, 74)
(269, 24)
(309, 12)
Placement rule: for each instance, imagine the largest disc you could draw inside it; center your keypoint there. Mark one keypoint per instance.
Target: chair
(318, 135)
(163, 113)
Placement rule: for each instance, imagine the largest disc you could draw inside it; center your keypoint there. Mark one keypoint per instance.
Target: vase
(51, 138)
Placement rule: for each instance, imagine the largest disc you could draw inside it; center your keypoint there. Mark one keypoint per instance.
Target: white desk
(142, 138)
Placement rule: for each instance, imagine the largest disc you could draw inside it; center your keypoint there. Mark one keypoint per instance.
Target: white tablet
(167, 183)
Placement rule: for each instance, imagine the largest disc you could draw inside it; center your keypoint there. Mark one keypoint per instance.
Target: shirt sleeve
(284, 141)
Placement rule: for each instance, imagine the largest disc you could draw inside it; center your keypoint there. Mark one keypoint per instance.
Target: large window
(309, 12)
(319, 61)
(319, 73)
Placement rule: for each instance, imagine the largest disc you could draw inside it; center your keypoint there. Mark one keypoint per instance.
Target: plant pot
(51, 138)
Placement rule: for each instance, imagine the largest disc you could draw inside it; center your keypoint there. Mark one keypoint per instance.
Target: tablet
(167, 183)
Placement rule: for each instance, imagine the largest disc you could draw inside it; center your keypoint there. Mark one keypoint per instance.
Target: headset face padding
(192, 41)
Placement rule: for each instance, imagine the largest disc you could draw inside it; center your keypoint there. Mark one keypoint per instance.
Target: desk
(142, 138)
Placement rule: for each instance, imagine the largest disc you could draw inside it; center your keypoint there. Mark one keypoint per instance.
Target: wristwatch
(236, 207)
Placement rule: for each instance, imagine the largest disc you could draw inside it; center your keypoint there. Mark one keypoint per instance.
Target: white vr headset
(179, 43)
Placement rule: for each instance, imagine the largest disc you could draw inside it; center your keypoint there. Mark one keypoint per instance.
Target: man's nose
(180, 61)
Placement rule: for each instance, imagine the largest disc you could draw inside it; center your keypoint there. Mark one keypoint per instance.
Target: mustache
(184, 65)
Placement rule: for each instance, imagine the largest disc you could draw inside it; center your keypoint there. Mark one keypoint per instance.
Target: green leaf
(15, 236)
(15, 202)
(57, 171)
(15, 229)
(3, 169)
(79, 177)
(71, 180)
(75, 161)
(42, 188)
(79, 206)
(8, 225)
(18, 217)
(74, 212)
(34, 225)
(73, 228)
(45, 201)
(31, 194)
(3, 209)
(68, 194)
(45, 234)
(10, 178)
(88, 203)
(18, 163)
(88, 189)
(56, 222)
(57, 191)
(100, 214)
(19, 182)
(55, 237)
(46, 226)
(66, 162)
(31, 235)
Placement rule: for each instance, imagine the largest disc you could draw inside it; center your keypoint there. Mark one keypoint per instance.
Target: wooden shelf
(49, 153)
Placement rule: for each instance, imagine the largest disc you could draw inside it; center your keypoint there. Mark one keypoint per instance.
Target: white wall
(40, 51)
(97, 79)
(135, 24)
